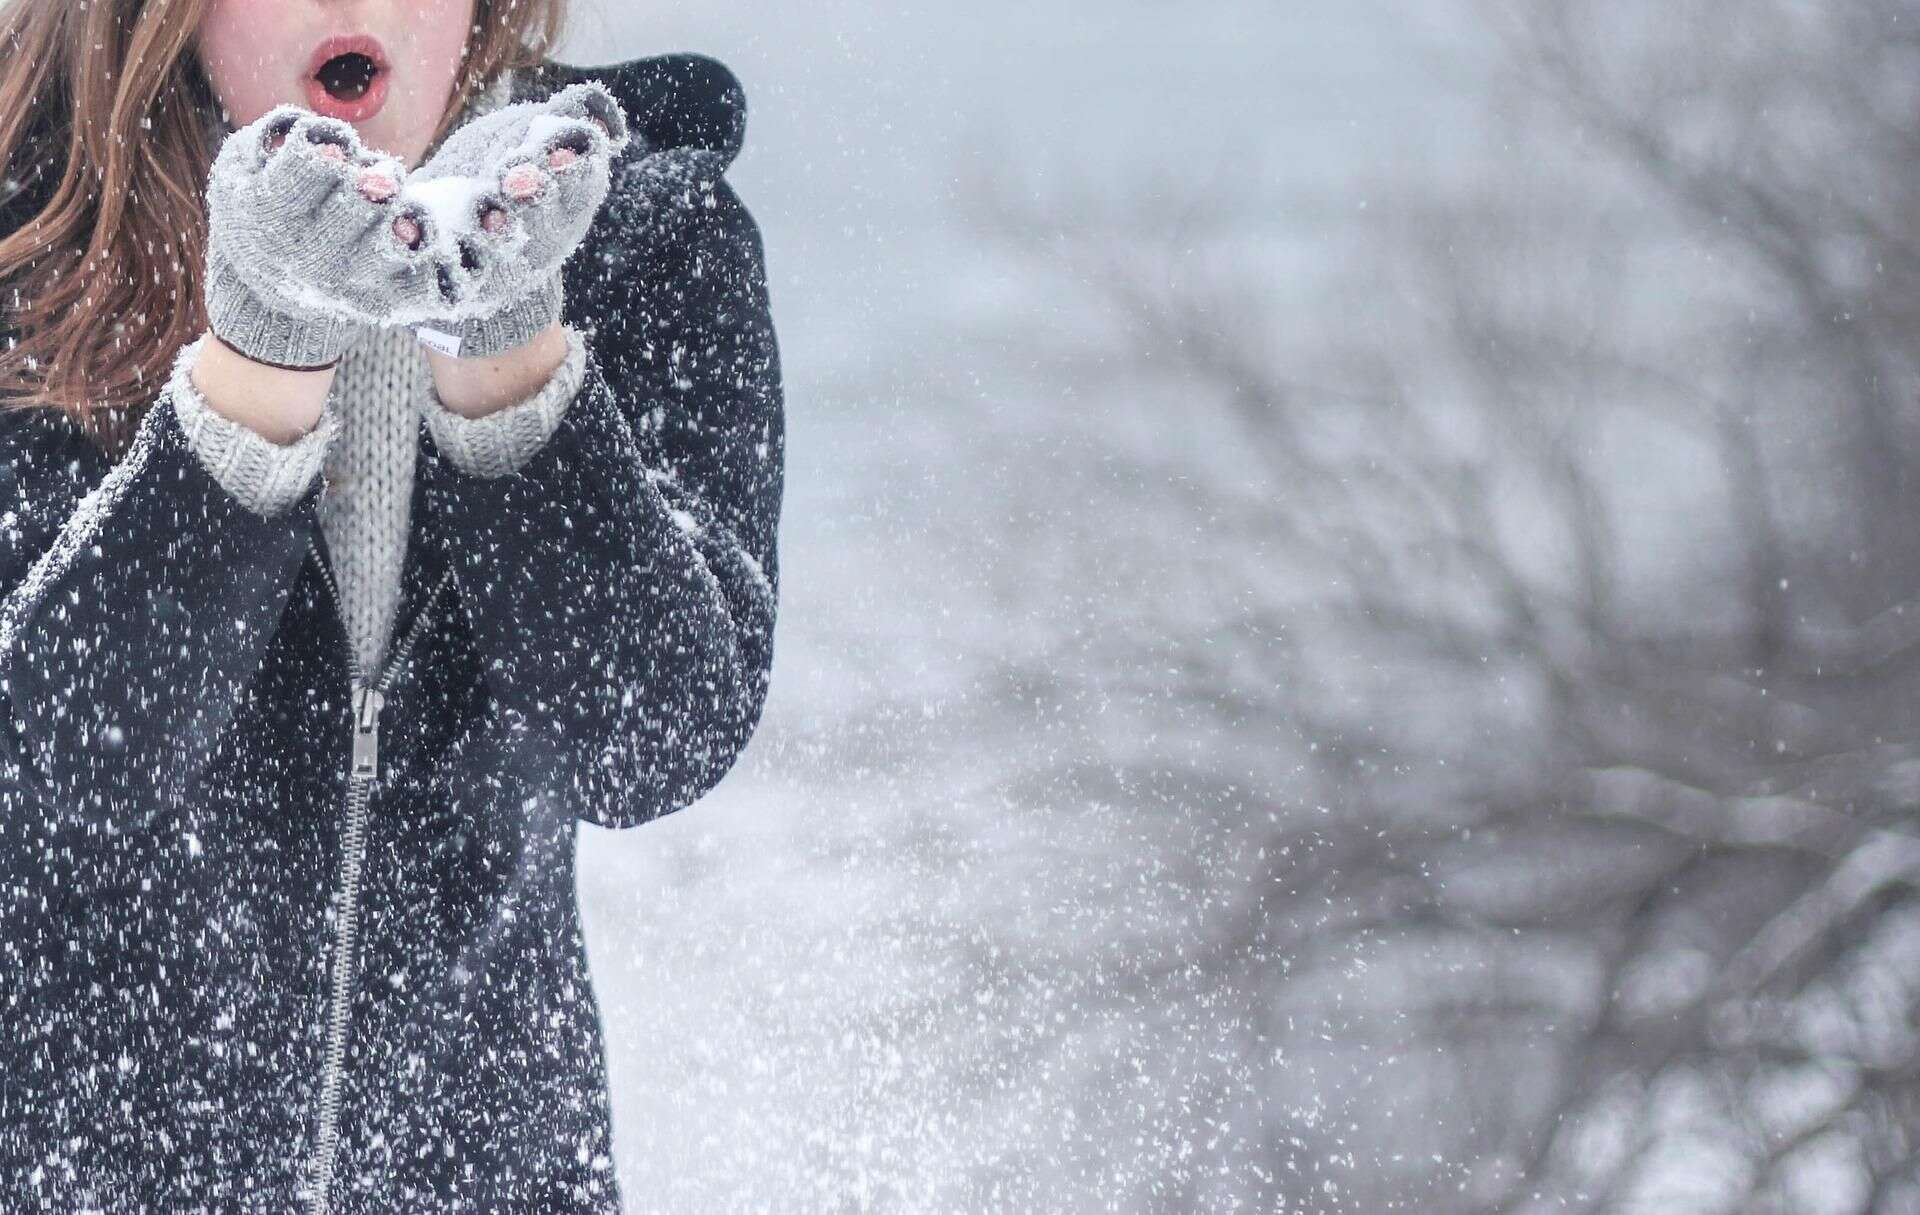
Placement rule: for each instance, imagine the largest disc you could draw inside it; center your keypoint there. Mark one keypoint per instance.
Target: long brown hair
(104, 138)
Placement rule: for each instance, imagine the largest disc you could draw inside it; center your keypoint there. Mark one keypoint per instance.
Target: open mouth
(347, 78)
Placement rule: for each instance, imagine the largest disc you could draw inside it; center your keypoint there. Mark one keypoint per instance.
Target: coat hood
(674, 103)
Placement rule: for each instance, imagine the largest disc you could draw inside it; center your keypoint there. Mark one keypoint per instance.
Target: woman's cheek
(248, 69)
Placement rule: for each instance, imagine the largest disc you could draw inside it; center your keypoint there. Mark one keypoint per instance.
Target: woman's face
(386, 66)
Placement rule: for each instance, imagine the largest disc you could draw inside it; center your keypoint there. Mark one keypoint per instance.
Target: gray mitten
(300, 256)
(486, 223)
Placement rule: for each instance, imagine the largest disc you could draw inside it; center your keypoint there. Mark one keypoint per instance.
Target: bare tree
(1568, 547)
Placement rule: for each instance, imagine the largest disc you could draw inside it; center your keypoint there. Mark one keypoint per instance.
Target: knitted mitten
(486, 223)
(300, 259)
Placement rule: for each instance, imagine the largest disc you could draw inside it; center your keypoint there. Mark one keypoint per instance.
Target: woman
(386, 483)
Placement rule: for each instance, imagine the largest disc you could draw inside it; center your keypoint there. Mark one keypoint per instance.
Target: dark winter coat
(181, 921)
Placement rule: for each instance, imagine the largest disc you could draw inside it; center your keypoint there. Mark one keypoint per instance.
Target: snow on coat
(187, 869)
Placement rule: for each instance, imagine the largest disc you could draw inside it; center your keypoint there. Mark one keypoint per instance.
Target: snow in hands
(314, 234)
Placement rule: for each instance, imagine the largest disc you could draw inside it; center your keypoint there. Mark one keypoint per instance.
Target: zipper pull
(366, 732)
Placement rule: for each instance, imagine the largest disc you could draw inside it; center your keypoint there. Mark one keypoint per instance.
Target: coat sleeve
(621, 583)
(137, 599)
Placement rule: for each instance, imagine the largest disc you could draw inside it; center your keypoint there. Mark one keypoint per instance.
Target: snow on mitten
(486, 223)
(300, 262)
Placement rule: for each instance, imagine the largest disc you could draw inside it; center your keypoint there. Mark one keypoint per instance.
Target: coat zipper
(368, 698)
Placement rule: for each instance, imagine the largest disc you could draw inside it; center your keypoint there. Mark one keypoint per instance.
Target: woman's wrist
(277, 403)
(476, 387)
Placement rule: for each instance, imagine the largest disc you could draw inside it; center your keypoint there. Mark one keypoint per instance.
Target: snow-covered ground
(922, 948)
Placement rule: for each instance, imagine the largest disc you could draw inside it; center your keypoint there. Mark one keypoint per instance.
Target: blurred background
(1348, 635)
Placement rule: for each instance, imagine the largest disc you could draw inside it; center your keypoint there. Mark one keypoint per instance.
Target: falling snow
(1344, 598)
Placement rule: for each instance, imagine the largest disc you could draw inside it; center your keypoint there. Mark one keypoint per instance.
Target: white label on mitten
(436, 339)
